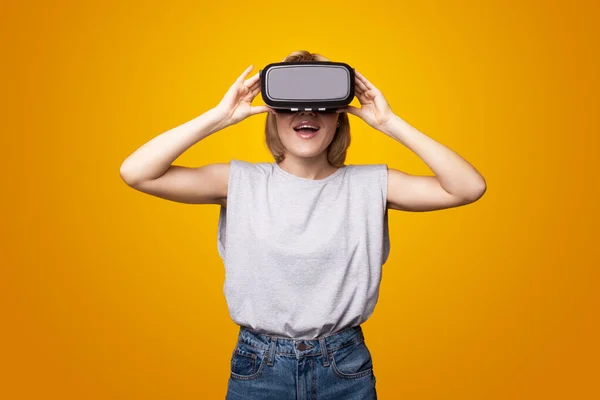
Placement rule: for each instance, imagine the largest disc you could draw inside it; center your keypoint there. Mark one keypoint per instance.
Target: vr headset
(322, 86)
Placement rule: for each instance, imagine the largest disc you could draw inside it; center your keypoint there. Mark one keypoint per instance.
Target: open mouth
(306, 132)
(307, 127)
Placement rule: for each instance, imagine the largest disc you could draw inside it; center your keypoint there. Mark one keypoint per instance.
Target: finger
(362, 97)
(353, 110)
(364, 80)
(241, 78)
(252, 87)
(358, 91)
(360, 84)
(255, 92)
(358, 87)
(252, 81)
(260, 109)
(252, 92)
(255, 86)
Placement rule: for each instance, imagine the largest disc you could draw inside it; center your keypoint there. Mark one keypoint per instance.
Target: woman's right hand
(236, 104)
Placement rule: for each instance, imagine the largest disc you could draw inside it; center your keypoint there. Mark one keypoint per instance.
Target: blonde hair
(336, 151)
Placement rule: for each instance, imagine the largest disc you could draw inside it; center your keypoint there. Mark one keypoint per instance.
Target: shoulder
(250, 168)
(368, 170)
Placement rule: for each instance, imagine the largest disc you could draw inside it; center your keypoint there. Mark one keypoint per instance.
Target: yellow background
(109, 293)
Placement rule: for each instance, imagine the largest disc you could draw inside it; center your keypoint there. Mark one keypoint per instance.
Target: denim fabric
(337, 366)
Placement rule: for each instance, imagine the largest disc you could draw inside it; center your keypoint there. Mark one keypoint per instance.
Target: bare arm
(149, 169)
(456, 181)
(154, 158)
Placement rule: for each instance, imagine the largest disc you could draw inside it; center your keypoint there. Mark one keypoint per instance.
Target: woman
(303, 239)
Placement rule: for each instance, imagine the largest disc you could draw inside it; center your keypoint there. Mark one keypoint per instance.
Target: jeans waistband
(300, 347)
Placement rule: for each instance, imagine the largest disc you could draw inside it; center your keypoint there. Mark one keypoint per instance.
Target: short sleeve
(234, 166)
(241, 175)
(383, 179)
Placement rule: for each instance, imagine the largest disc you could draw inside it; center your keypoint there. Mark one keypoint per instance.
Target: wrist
(217, 118)
(207, 123)
(391, 125)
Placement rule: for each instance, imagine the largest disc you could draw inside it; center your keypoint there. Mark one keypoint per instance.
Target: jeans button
(302, 346)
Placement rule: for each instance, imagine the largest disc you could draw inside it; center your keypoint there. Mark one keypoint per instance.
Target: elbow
(477, 192)
(127, 176)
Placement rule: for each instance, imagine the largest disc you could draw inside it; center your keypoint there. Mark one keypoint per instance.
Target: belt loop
(324, 352)
(272, 348)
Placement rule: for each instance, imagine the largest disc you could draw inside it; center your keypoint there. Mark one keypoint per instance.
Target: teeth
(306, 126)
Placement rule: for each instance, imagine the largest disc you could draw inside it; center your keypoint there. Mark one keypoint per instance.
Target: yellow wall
(109, 293)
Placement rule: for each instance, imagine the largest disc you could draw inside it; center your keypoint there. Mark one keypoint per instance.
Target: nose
(314, 113)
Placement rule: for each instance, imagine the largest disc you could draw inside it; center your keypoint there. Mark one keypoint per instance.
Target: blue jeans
(334, 367)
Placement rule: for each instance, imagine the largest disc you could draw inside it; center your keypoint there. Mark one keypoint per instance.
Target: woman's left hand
(375, 109)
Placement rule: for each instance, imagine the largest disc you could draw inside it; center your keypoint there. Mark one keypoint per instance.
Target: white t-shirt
(303, 257)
